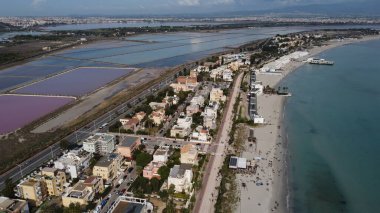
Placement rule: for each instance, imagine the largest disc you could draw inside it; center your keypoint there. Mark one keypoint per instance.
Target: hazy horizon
(184, 7)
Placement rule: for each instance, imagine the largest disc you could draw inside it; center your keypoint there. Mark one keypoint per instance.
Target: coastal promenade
(207, 195)
(266, 191)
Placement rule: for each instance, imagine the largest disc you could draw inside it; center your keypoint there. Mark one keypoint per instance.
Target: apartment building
(189, 154)
(73, 162)
(107, 166)
(79, 193)
(55, 181)
(127, 145)
(32, 190)
(8, 205)
(100, 143)
(180, 176)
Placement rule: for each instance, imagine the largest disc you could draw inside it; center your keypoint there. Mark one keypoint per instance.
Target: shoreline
(273, 170)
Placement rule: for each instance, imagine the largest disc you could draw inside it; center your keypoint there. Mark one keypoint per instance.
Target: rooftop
(237, 163)
(126, 207)
(105, 161)
(48, 169)
(99, 137)
(90, 180)
(188, 148)
(10, 204)
(29, 182)
(161, 152)
(179, 170)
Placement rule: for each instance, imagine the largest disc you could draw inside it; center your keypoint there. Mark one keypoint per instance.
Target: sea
(332, 126)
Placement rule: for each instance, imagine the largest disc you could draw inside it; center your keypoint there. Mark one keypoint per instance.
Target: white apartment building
(198, 100)
(183, 126)
(180, 176)
(160, 155)
(99, 143)
(73, 162)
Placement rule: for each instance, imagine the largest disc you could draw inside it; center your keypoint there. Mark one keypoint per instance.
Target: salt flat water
(332, 123)
(81, 81)
(18, 110)
(127, 24)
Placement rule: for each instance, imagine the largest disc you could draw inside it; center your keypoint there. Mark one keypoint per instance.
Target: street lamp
(19, 166)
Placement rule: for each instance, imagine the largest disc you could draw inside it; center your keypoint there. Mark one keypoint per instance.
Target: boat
(319, 61)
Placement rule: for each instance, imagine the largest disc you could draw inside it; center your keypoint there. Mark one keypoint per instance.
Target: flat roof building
(8, 205)
(237, 163)
(99, 143)
(127, 145)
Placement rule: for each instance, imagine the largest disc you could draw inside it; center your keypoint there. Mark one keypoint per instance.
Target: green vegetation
(182, 96)
(144, 107)
(226, 190)
(244, 86)
(203, 76)
(143, 186)
(160, 95)
(213, 59)
(164, 171)
(9, 57)
(73, 208)
(117, 127)
(174, 158)
(233, 128)
(197, 119)
(197, 171)
(181, 195)
(51, 208)
(47, 37)
(142, 158)
(8, 190)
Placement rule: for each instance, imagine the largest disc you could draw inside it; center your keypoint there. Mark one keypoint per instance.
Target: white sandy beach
(270, 196)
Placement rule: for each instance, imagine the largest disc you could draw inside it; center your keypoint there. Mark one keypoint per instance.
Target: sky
(145, 7)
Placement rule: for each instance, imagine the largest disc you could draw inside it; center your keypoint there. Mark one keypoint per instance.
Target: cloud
(216, 2)
(37, 3)
(189, 2)
(204, 2)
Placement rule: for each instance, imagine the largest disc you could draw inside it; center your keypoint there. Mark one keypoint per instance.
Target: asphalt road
(207, 195)
(125, 185)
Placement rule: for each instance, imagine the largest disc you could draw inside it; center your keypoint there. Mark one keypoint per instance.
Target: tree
(143, 158)
(8, 190)
(197, 118)
(163, 194)
(164, 171)
(170, 207)
(73, 208)
(155, 184)
(64, 144)
(171, 190)
(149, 123)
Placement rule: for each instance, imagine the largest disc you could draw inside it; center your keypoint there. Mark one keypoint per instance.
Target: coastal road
(207, 195)
(53, 151)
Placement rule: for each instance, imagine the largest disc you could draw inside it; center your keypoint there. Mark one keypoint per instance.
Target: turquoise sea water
(333, 126)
